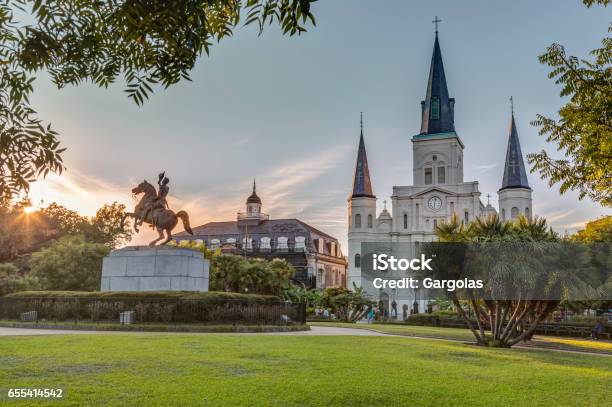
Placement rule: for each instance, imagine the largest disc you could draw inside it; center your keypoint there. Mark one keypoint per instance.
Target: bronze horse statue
(158, 216)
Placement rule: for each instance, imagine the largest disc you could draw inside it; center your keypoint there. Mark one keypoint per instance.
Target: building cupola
(253, 214)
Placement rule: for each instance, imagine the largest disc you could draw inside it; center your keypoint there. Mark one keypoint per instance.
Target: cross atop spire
(361, 122)
(436, 21)
(488, 199)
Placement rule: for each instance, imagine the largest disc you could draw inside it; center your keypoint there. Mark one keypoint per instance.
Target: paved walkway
(314, 331)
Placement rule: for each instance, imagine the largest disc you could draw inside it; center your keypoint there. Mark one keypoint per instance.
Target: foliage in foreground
(347, 305)
(187, 295)
(151, 44)
(209, 307)
(71, 263)
(11, 281)
(501, 323)
(24, 233)
(584, 131)
(229, 272)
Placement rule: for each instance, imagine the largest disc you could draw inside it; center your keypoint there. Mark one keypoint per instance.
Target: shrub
(11, 281)
(586, 320)
(71, 263)
(158, 306)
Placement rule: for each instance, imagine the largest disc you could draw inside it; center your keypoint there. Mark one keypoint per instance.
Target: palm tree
(512, 257)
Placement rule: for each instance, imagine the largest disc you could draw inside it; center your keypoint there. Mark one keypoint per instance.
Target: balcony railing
(253, 215)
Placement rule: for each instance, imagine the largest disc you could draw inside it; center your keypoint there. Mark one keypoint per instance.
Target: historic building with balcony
(316, 256)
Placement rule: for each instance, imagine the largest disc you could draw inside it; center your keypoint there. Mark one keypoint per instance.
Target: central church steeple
(437, 108)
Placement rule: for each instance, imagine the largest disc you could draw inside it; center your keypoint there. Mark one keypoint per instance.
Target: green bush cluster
(235, 273)
(158, 306)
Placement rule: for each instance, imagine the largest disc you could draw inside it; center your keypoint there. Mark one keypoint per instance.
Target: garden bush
(155, 306)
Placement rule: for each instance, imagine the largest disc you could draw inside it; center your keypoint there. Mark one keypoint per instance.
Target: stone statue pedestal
(162, 268)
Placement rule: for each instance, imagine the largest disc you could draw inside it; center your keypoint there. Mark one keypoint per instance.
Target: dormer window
(434, 110)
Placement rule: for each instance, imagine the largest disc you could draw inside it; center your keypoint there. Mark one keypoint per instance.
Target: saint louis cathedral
(438, 189)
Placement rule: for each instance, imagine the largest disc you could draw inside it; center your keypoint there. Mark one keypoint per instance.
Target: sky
(285, 110)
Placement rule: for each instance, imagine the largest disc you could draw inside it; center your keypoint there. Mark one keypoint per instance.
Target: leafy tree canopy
(24, 233)
(583, 132)
(596, 231)
(235, 273)
(71, 263)
(148, 43)
(11, 281)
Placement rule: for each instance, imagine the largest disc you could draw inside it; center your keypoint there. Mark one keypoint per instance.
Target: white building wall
(519, 198)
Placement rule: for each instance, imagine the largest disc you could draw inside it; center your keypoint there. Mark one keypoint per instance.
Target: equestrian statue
(153, 210)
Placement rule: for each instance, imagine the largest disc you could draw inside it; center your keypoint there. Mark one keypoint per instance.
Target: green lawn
(409, 330)
(540, 341)
(227, 370)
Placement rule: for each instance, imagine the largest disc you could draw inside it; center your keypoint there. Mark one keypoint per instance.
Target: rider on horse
(159, 202)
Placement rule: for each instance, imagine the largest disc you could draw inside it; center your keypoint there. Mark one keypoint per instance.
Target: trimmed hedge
(157, 306)
(186, 295)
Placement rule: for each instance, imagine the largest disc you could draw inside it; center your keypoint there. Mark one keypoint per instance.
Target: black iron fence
(159, 310)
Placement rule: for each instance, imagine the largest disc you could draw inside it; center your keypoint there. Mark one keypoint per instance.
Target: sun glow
(30, 209)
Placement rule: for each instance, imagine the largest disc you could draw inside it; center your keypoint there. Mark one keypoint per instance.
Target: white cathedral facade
(438, 189)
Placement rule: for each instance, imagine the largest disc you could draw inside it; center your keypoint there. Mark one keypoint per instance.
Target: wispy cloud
(77, 191)
(485, 167)
(241, 142)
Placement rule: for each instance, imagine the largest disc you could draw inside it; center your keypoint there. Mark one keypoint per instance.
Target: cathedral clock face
(434, 203)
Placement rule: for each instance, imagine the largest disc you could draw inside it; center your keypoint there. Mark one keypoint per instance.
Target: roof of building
(515, 175)
(253, 198)
(362, 185)
(437, 91)
(272, 227)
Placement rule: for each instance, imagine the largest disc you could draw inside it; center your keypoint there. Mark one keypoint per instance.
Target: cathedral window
(503, 214)
(527, 214)
(514, 212)
(428, 176)
(370, 222)
(434, 111)
(466, 217)
(357, 260)
(435, 224)
(358, 221)
(452, 208)
(441, 175)
(405, 221)
(416, 212)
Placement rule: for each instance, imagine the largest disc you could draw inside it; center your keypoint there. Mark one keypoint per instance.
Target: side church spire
(437, 108)
(362, 185)
(515, 175)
